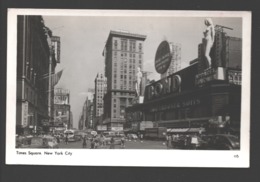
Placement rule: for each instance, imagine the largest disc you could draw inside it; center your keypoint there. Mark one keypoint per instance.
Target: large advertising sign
(210, 75)
(55, 40)
(25, 114)
(61, 99)
(171, 84)
(163, 57)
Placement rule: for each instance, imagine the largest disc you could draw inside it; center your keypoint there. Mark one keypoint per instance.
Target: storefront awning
(196, 130)
(185, 130)
(178, 130)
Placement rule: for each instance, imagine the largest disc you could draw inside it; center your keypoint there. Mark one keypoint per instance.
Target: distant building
(62, 110)
(89, 119)
(175, 64)
(80, 123)
(98, 103)
(71, 119)
(86, 119)
(123, 54)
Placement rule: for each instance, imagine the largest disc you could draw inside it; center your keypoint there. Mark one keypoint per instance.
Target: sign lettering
(167, 85)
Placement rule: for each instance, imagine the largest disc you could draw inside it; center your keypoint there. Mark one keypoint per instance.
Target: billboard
(163, 57)
(55, 41)
(61, 99)
(25, 114)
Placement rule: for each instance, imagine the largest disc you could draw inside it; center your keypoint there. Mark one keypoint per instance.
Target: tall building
(86, 119)
(71, 119)
(62, 110)
(36, 61)
(175, 64)
(89, 119)
(80, 123)
(100, 91)
(123, 54)
(226, 51)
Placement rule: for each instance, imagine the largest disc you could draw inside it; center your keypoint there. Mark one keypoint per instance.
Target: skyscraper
(123, 54)
(100, 91)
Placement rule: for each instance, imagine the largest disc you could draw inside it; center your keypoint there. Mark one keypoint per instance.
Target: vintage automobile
(41, 142)
(222, 142)
(132, 137)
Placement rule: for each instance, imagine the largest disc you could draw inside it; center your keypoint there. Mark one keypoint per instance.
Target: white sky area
(83, 40)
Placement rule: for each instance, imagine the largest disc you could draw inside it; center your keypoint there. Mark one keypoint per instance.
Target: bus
(71, 135)
(158, 133)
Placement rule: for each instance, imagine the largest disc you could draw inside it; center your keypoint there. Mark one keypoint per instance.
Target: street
(137, 144)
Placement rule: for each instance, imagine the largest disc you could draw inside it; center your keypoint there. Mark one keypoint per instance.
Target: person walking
(92, 143)
(84, 144)
(66, 139)
(112, 143)
(122, 142)
(167, 140)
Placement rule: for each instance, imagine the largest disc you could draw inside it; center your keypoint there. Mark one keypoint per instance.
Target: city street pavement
(146, 144)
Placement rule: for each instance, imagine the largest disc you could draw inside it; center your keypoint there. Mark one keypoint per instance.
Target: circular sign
(163, 57)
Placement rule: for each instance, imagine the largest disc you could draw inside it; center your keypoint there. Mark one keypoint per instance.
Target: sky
(83, 39)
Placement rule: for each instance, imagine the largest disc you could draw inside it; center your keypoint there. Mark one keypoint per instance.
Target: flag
(56, 77)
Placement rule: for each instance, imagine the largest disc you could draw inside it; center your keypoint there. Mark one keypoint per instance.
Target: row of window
(131, 55)
(124, 45)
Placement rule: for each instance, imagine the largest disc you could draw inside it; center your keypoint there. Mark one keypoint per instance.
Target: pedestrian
(123, 142)
(66, 139)
(141, 136)
(112, 143)
(167, 140)
(92, 143)
(104, 140)
(173, 141)
(84, 142)
(96, 143)
(58, 138)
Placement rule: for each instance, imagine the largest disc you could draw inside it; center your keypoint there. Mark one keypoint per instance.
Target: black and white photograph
(128, 88)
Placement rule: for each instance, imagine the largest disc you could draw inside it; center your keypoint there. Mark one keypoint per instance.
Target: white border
(164, 158)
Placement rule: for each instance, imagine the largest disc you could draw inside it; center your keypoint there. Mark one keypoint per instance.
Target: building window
(140, 47)
(115, 44)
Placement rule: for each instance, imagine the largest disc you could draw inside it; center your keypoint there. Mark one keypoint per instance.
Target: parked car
(117, 140)
(78, 137)
(41, 142)
(222, 142)
(132, 137)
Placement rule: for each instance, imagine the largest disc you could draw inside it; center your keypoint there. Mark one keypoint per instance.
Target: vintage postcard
(128, 88)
